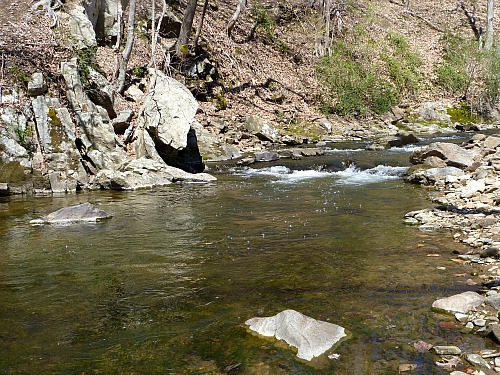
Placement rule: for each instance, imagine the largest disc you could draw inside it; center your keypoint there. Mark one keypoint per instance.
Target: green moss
(12, 172)
(24, 137)
(220, 101)
(54, 118)
(20, 77)
(460, 113)
(87, 60)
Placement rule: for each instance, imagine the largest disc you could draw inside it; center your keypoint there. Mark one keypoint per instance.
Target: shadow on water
(166, 285)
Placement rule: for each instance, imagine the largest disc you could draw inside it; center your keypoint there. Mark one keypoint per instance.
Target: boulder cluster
(467, 183)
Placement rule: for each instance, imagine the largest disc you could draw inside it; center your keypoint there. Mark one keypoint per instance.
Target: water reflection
(165, 285)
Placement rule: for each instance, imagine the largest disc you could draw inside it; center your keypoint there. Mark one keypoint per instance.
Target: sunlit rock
(462, 303)
(310, 336)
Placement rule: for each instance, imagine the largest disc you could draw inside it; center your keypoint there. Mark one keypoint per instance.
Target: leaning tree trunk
(200, 25)
(120, 84)
(181, 47)
(488, 42)
(242, 4)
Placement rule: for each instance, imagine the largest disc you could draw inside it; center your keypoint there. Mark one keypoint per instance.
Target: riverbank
(466, 186)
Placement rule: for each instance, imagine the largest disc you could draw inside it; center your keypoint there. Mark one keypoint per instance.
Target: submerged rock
(80, 212)
(310, 336)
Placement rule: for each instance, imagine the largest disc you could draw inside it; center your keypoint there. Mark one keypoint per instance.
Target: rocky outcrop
(81, 30)
(168, 114)
(48, 148)
(311, 337)
(103, 15)
(82, 212)
(468, 198)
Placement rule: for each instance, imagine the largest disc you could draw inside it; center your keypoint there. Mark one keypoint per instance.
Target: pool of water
(165, 286)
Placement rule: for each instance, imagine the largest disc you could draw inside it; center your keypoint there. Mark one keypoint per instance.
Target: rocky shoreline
(466, 187)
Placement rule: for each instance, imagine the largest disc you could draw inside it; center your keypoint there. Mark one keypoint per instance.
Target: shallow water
(166, 285)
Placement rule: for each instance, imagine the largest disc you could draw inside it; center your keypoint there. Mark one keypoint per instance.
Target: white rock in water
(461, 303)
(310, 336)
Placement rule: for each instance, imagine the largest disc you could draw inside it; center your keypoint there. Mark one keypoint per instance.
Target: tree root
(48, 7)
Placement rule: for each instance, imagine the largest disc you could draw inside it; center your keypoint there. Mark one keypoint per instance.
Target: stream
(165, 286)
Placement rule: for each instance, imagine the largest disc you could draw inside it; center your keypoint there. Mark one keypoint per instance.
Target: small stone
(37, 85)
(476, 360)
(479, 322)
(405, 367)
(489, 252)
(462, 318)
(447, 350)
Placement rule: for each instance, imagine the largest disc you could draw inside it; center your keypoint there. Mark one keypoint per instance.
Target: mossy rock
(13, 172)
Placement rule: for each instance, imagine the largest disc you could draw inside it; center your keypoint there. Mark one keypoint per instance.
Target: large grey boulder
(402, 139)
(146, 173)
(421, 174)
(168, 111)
(311, 337)
(459, 303)
(167, 114)
(103, 15)
(452, 154)
(261, 129)
(433, 113)
(80, 212)
(82, 34)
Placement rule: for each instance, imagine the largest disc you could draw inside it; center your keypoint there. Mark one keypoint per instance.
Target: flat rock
(310, 336)
(80, 212)
(476, 360)
(461, 303)
(447, 350)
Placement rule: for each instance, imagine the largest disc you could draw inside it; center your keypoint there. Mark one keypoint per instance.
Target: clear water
(165, 286)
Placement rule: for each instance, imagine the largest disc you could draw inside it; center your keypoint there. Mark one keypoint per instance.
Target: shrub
(354, 83)
(460, 56)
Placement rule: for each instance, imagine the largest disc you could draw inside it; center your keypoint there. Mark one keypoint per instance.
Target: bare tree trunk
(488, 41)
(120, 84)
(153, 33)
(200, 25)
(119, 16)
(181, 46)
(239, 9)
(323, 42)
